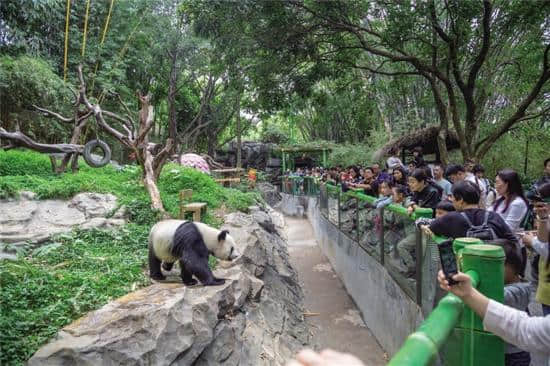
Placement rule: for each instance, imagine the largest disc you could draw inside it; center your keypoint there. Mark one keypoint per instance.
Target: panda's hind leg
(186, 275)
(154, 266)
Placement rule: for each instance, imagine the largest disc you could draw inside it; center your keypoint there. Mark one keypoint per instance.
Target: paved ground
(338, 324)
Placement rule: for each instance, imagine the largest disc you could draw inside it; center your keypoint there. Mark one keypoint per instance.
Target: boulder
(96, 205)
(163, 324)
(269, 192)
(28, 220)
(255, 318)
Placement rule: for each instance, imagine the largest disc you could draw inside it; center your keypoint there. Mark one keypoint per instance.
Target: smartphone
(448, 260)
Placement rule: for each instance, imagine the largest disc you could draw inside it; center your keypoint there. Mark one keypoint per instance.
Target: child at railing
(385, 197)
(442, 208)
(407, 246)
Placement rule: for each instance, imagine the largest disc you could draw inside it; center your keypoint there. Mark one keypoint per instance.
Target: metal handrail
(449, 316)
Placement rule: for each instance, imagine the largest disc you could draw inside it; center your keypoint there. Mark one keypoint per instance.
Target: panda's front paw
(215, 282)
(190, 282)
(158, 277)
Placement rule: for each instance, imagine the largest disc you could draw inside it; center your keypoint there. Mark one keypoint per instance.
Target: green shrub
(345, 155)
(62, 281)
(23, 162)
(7, 190)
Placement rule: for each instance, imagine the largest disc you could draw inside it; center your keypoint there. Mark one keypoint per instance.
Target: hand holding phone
(448, 260)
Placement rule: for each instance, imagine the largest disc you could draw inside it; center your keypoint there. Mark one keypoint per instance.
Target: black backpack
(483, 231)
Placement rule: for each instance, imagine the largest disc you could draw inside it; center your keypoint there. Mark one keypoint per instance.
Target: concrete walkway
(334, 318)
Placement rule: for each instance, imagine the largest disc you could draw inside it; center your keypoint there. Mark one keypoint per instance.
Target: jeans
(517, 359)
(406, 247)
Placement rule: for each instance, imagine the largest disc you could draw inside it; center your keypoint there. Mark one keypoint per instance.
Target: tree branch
(49, 113)
(519, 115)
(480, 59)
(20, 139)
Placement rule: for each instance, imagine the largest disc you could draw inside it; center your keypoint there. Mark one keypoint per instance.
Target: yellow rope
(85, 27)
(67, 15)
(107, 22)
(102, 40)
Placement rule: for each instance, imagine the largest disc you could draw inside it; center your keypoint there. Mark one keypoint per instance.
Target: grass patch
(48, 288)
(59, 282)
(125, 184)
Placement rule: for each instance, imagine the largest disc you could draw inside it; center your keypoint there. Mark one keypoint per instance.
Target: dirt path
(338, 324)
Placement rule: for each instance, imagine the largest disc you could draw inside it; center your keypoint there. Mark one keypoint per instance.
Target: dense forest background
(356, 73)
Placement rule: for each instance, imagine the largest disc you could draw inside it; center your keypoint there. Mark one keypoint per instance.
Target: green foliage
(125, 184)
(176, 178)
(62, 281)
(8, 190)
(345, 155)
(513, 146)
(26, 80)
(21, 162)
(274, 133)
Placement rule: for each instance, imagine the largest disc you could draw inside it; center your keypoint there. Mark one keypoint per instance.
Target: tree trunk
(239, 147)
(150, 183)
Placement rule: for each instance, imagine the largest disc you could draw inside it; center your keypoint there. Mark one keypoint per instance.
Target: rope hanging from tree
(85, 28)
(67, 15)
(105, 27)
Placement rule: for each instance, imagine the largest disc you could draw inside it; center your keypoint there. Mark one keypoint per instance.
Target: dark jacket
(429, 197)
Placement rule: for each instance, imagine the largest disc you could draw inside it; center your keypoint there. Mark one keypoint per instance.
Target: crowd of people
(467, 204)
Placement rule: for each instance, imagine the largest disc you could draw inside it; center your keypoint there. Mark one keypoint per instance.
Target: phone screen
(448, 260)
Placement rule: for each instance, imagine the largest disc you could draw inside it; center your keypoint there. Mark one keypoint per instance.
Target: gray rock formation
(27, 220)
(255, 318)
(269, 192)
(253, 154)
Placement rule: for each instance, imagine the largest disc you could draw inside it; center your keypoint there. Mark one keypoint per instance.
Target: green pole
(469, 344)
(460, 332)
(284, 162)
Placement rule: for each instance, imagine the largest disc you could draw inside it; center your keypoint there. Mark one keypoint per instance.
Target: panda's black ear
(222, 235)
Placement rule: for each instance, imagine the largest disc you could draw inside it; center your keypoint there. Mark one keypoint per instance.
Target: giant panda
(190, 243)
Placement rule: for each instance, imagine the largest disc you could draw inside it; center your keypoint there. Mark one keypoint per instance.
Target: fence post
(339, 219)
(382, 253)
(419, 256)
(469, 344)
(357, 227)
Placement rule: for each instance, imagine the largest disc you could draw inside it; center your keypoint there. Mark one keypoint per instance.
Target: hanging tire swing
(92, 160)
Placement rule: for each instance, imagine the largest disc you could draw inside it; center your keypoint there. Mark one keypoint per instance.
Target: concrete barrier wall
(388, 312)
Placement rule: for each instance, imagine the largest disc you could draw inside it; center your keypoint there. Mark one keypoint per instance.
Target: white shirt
(482, 185)
(531, 334)
(513, 216)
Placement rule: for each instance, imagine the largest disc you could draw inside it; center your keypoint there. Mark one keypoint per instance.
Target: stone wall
(388, 312)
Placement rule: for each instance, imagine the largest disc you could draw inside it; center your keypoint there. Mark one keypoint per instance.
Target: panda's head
(225, 249)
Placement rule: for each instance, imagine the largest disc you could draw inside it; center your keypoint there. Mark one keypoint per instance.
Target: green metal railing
(300, 186)
(451, 330)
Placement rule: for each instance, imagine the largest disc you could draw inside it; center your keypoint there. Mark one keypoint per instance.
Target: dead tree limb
(21, 140)
(147, 156)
